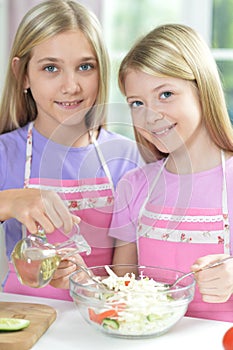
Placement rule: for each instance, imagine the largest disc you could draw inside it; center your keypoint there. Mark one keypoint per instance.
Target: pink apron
(92, 200)
(198, 232)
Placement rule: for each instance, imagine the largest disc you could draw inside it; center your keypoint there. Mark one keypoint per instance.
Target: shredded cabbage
(142, 307)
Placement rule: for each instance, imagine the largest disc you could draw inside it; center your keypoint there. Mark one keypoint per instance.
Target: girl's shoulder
(13, 144)
(14, 137)
(12, 157)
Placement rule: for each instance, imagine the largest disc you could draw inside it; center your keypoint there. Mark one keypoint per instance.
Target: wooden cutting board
(41, 317)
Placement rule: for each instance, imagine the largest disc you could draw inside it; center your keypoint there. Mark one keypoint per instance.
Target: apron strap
(151, 188)
(226, 228)
(27, 171)
(101, 157)
(28, 162)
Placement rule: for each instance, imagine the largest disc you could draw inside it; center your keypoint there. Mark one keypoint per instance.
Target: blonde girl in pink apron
(177, 239)
(57, 162)
(177, 212)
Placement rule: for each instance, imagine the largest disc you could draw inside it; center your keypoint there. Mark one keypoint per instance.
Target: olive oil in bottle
(34, 266)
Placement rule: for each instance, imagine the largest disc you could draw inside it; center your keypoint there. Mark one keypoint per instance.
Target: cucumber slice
(156, 317)
(13, 324)
(109, 323)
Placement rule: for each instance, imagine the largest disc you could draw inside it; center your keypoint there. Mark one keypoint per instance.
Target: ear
(15, 65)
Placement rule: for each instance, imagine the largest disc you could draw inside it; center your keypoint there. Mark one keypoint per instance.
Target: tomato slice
(227, 340)
(98, 318)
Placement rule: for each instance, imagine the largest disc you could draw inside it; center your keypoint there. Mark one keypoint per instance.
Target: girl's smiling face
(165, 110)
(63, 77)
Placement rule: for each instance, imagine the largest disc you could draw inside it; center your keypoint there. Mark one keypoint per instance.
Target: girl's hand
(33, 207)
(66, 267)
(215, 284)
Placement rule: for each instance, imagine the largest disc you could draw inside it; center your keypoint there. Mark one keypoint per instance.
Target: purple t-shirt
(56, 161)
(198, 190)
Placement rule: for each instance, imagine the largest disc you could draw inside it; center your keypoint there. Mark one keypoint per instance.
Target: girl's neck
(188, 163)
(199, 154)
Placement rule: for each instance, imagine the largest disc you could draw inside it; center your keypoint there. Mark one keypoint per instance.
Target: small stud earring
(25, 91)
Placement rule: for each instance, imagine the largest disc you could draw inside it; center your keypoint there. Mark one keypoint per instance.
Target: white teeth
(69, 103)
(161, 132)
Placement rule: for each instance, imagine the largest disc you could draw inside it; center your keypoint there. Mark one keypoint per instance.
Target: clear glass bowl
(142, 313)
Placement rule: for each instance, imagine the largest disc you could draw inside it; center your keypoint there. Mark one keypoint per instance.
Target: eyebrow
(54, 59)
(162, 86)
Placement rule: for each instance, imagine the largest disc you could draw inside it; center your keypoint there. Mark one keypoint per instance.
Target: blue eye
(166, 94)
(85, 67)
(50, 68)
(136, 104)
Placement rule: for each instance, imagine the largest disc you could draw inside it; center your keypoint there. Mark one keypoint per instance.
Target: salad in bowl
(131, 301)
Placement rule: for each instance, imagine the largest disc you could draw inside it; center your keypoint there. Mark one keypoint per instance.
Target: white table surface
(70, 332)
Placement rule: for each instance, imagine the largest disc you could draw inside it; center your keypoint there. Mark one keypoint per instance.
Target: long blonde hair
(42, 22)
(178, 51)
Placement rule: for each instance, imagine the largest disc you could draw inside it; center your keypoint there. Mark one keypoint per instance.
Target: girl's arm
(124, 253)
(33, 207)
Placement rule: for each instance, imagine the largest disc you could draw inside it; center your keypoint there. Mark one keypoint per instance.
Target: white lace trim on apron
(75, 189)
(164, 234)
(184, 218)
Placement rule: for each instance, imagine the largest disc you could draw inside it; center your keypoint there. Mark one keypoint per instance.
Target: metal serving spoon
(216, 263)
(91, 275)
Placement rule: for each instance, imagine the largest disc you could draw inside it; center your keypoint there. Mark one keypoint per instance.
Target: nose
(153, 115)
(70, 83)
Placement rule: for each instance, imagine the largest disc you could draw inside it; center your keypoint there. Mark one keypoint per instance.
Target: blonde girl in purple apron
(57, 162)
(177, 212)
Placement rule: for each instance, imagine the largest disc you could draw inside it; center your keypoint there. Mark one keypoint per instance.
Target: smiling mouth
(164, 131)
(69, 104)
